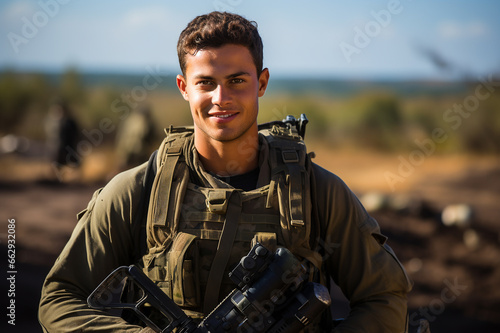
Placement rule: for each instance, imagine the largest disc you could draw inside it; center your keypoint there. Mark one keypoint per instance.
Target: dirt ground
(455, 270)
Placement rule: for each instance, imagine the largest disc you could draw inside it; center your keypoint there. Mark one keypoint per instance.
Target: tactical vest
(196, 235)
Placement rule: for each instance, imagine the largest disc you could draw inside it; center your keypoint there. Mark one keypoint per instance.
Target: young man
(217, 190)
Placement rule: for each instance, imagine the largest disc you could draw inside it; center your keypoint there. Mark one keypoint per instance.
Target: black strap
(224, 247)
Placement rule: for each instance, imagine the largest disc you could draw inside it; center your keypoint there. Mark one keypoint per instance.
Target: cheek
(252, 101)
(247, 96)
(198, 100)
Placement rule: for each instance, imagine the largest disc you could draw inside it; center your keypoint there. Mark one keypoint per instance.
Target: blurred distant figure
(134, 138)
(62, 133)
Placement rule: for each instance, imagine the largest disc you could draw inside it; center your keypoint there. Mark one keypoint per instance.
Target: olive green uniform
(354, 254)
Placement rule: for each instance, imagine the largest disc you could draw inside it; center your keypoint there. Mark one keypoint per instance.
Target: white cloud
(476, 29)
(18, 9)
(449, 30)
(13, 13)
(146, 16)
(453, 30)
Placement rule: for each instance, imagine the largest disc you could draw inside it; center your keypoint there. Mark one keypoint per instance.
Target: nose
(221, 96)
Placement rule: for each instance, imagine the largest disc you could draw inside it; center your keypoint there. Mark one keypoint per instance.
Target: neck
(229, 158)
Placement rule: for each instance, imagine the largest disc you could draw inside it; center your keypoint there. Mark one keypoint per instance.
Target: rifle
(270, 296)
(290, 123)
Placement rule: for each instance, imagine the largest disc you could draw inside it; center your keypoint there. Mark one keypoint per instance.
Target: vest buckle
(217, 201)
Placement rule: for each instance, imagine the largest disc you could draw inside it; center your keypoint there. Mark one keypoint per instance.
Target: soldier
(134, 138)
(62, 137)
(217, 189)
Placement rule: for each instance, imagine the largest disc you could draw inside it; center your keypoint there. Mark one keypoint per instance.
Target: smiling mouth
(223, 115)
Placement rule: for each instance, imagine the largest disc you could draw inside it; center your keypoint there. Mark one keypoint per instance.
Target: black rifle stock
(148, 298)
(271, 296)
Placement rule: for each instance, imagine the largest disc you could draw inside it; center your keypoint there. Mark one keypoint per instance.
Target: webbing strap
(295, 194)
(169, 155)
(223, 252)
(241, 235)
(173, 152)
(288, 160)
(167, 174)
(194, 216)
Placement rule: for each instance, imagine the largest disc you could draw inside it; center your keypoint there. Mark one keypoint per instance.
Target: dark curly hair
(217, 29)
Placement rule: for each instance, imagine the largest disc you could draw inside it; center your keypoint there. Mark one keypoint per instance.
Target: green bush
(385, 120)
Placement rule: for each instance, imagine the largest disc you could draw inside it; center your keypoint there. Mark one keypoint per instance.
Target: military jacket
(354, 252)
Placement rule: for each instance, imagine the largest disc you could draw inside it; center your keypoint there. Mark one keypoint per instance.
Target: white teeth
(223, 116)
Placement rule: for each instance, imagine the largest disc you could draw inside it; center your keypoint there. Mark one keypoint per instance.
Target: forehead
(227, 59)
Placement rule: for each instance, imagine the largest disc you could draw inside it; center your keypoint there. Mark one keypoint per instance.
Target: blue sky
(338, 39)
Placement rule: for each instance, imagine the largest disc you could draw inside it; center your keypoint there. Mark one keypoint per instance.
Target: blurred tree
(23, 103)
(480, 132)
(14, 101)
(98, 106)
(381, 123)
(72, 88)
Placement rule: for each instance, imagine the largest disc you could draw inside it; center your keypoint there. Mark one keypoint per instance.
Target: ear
(181, 84)
(263, 81)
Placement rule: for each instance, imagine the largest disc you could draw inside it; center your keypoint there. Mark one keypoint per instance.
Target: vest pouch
(182, 269)
(175, 270)
(266, 239)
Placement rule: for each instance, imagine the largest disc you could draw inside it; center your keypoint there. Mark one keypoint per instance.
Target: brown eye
(204, 83)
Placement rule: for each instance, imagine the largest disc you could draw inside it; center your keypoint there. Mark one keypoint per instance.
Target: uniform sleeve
(102, 241)
(360, 262)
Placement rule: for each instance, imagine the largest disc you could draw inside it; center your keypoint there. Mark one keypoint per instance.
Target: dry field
(455, 281)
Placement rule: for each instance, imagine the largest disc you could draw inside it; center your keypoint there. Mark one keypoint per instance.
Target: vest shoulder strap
(290, 173)
(168, 186)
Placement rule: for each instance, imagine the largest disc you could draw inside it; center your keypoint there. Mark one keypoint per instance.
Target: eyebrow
(230, 76)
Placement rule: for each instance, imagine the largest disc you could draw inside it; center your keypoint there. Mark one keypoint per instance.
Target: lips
(221, 117)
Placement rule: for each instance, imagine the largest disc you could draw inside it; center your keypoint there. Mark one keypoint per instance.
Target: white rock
(459, 215)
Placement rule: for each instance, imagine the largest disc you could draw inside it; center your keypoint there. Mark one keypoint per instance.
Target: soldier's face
(222, 88)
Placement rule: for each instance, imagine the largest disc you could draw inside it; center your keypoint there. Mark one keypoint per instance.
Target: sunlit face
(222, 88)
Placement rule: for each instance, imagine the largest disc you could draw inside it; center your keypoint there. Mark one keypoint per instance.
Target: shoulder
(335, 200)
(330, 186)
(123, 193)
(328, 181)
